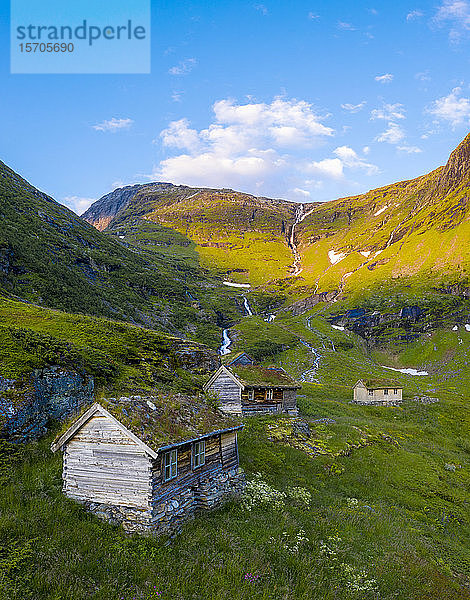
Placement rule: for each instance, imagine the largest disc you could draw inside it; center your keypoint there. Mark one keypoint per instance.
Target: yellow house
(377, 391)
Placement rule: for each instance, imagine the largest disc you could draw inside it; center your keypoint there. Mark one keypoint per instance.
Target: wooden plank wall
(229, 447)
(186, 475)
(228, 393)
(101, 464)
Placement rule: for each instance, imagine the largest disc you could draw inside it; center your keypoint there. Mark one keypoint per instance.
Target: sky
(307, 101)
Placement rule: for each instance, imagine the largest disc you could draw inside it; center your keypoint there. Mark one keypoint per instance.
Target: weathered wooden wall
(186, 474)
(102, 464)
(229, 393)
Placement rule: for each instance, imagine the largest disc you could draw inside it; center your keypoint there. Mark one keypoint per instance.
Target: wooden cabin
(254, 389)
(238, 360)
(150, 463)
(375, 391)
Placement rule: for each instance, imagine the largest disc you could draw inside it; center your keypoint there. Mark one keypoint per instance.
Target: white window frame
(199, 454)
(371, 392)
(269, 395)
(170, 465)
(395, 391)
(251, 395)
(386, 391)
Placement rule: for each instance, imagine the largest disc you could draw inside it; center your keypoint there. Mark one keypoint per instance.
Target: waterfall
(309, 374)
(300, 215)
(226, 343)
(247, 307)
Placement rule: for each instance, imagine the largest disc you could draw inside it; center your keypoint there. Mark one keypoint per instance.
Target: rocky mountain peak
(457, 168)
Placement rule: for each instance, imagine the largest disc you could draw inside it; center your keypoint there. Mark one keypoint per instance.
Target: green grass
(389, 510)
(120, 356)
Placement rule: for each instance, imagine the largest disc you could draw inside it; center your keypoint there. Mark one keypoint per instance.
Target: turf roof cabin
(374, 391)
(253, 389)
(237, 360)
(150, 463)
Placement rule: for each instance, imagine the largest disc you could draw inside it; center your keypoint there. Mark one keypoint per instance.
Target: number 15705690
(46, 47)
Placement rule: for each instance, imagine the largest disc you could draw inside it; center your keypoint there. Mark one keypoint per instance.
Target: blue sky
(306, 101)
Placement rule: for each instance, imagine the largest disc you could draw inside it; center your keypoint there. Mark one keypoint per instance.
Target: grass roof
(379, 384)
(256, 376)
(166, 419)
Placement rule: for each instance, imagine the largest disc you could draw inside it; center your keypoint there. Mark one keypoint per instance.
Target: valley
(157, 284)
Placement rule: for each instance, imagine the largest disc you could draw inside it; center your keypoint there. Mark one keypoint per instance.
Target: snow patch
(379, 212)
(237, 285)
(454, 328)
(338, 327)
(407, 371)
(151, 405)
(270, 318)
(365, 253)
(377, 253)
(335, 257)
(467, 327)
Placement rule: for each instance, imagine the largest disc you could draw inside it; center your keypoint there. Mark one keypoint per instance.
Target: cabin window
(251, 395)
(199, 453)
(269, 394)
(371, 392)
(170, 465)
(385, 392)
(395, 391)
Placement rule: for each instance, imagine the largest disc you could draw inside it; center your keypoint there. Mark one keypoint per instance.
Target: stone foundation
(169, 514)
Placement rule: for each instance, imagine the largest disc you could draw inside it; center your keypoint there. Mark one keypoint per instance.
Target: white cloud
(453, 108)
(393, 135)
(423, 76)
(313, 16)
(386, 78)
(388, 112)
(414, 14)
(176, 96)
(350, 158)
(353, 108)
(345, 158)
(183, 67)
(180, 135)
(346, 26)
(261, 8)
(409, 149)
(456, 13)
(78, 204)
(244, 144)
(113, 125)
(328, 167)
(301, 192)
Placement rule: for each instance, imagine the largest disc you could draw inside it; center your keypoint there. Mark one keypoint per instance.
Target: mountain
(399, 243)
(246, 237)
(51, 257)
(411, 235)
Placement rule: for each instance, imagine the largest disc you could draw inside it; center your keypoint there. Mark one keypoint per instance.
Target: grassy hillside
(53, 258)
(120, 356)
(410, 235)
(373, 505)
(243, 236)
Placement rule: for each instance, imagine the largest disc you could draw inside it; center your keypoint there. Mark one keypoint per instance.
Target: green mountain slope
(51, 257)
(412, 233)
(245, 237)
(407, 238)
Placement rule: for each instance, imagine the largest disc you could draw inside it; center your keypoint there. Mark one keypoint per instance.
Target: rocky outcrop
(404, 325)
(301, 306)
(102, 212)
(27, 405)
